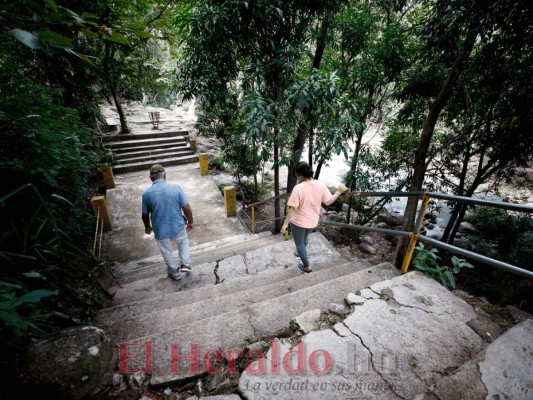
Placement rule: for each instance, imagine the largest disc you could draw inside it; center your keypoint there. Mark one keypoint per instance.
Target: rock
(69, 365)
(382, 225)
(215, 381)
(462, 244)
(117, 379)
(517, 314)
(467, 227)
(224, 386)
(390, 220)
(367, 239)
(368, 249)
(336, 237)
(485, 328)
(307, 321)
(258, 346)
(339, 309)
(353, 299)
(368, 294)
(136, 379)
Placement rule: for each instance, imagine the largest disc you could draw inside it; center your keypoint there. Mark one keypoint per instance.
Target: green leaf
(117, 38)
(26, 38)
(55, 38)
(10, 318)
(34, 296)
(450, 278)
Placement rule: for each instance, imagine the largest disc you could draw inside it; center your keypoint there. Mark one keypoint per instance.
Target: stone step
(277, 255)
(150, 151)
(146, 146)
(145, 165)
(152, 135)
(504, 370)
(142, 142)
(151, 155)
(234, 329)
(254, 290)
(208, 252)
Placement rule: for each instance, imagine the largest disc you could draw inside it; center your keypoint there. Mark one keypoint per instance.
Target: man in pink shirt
(304, 209)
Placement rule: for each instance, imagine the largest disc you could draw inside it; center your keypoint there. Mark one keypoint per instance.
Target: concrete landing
(127, 240)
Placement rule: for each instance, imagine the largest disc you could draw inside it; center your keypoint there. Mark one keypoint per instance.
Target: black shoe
(176, 277)
(185, 268)
(301, 269)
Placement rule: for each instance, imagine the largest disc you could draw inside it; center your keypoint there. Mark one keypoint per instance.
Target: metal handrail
(253, 205)
(415, 236)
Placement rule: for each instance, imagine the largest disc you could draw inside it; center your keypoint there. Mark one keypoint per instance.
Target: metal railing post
(413, 236)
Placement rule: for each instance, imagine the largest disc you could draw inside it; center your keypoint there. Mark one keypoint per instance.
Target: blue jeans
(165, 245)
(300, 236)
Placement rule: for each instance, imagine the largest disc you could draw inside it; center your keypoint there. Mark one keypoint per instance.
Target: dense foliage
(58, 62)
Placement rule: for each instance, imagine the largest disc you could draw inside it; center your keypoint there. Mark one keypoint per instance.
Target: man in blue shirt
(164, 205)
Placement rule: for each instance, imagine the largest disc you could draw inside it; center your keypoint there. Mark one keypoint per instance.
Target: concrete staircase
(371, 334)
(135, 152)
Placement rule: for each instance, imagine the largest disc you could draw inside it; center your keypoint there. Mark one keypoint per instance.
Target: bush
(503, 235)
(46, 156)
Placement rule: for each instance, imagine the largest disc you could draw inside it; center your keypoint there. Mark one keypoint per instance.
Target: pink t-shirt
(306, 199)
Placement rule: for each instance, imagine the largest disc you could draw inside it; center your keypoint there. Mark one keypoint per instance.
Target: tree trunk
(256, 184)
(435, 109)
(306, 130)
(123, 123)
(277, 208)
(353, 167)
(460, 191)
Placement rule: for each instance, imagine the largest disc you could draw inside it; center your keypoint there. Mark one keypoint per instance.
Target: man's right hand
(148, 230)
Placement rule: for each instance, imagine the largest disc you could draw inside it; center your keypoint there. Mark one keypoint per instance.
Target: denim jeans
(300, 236)
(166, 247)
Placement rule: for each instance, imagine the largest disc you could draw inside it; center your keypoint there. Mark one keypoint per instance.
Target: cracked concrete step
(231, 330)
(278, 255)
(138, 323)
(200, 255)
(166, 162)
(405, 334)
(244, 282)
(180, 148)
(503, 370)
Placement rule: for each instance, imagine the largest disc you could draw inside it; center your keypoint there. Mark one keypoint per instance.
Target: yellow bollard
(107, 174)
(413, 239)
(230, 201)
(99, 206)
(204, 164)
(192, 145)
